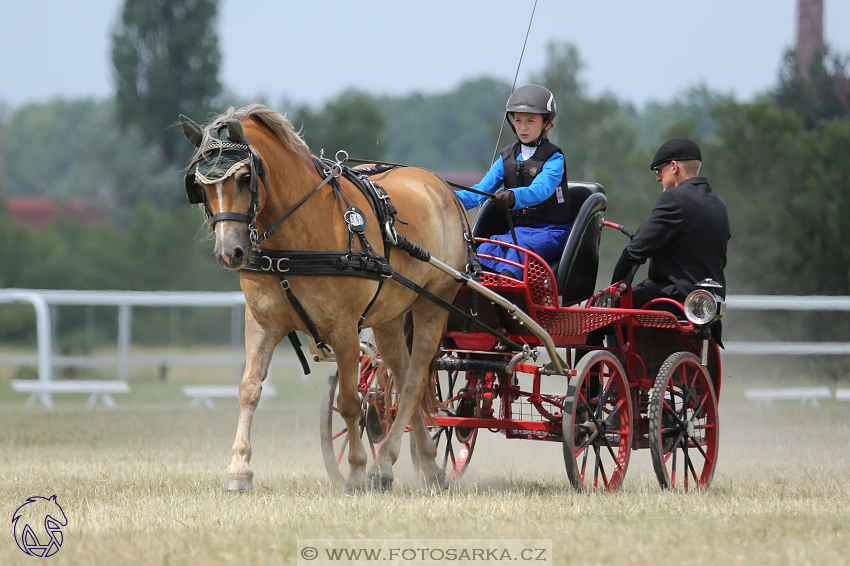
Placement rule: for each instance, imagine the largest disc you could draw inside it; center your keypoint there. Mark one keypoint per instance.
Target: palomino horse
(273, 152)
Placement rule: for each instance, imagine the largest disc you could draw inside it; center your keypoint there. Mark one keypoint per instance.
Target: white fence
(42, 300)
(792, 303)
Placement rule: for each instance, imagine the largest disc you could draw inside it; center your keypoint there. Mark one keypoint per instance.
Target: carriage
(513, 355)
(654, 385)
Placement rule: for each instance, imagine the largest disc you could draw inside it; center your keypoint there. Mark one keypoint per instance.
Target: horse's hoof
(442, 483)
(380, 483)
(354, 489)
(438, 483)
(238, 482)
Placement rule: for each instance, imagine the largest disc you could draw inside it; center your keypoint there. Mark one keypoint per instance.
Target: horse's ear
(191, 130)
(234, 131)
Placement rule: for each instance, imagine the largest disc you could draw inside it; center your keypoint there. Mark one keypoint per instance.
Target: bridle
(237, 155)
(241, 154)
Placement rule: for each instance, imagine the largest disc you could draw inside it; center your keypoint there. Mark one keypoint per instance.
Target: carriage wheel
(683, 431)
(334, 433)
(597, 423)
(454, 444)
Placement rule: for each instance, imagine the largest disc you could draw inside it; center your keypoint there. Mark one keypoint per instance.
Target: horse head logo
(38, 526)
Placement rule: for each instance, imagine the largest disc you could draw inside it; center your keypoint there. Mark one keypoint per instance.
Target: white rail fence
(46, 359)
(42, 300)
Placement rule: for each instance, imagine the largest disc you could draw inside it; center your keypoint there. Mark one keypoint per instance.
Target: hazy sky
(309, 51)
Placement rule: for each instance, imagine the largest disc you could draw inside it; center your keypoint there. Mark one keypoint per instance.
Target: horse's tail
(430, 405)
(386, 385)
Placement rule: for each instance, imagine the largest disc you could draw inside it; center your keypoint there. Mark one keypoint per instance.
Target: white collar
(526, 152)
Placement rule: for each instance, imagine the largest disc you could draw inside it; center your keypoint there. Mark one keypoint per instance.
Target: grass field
(141, 485)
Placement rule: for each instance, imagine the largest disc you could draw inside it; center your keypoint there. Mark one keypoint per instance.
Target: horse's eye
(243, 181)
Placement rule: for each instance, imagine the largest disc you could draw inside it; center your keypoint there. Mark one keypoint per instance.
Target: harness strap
(296, 345)
(302, 314)
(367, 267)
(274, 226)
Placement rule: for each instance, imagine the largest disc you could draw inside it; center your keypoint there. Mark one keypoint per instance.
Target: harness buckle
(282, 269)
(265, 257)
(285, 284)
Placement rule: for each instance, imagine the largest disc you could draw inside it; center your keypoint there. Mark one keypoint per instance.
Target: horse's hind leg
(411, 381)
(347, 353)
(259, 346)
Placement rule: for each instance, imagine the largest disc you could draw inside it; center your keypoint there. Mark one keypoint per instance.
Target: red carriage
(655, 384)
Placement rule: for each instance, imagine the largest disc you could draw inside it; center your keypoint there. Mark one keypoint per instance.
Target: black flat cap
(677, 149)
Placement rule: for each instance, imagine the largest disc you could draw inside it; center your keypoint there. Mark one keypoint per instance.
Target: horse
(277, 181)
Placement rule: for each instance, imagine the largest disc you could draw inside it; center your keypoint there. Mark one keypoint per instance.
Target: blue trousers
(546, 240)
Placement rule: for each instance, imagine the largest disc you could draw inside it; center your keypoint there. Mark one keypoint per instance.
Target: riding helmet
(532, 99)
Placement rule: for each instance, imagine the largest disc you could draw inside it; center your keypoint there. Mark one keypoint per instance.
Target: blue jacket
(539, 190)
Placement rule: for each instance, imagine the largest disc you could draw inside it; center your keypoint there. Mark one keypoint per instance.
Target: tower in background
(809, 31)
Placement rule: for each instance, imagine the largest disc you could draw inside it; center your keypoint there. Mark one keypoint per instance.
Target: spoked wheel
(454, 444)
(683, 431)
(373, 421)
(597, 423)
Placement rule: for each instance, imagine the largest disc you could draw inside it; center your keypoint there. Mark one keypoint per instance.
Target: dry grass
(140, 485)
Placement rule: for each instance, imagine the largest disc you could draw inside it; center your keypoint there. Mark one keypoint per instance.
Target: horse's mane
(273, 120)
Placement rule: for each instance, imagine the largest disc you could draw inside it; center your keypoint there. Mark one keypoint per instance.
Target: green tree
(689, 113)
(66, 150)
(786, 190)
(819, 92)
(452, 131)
(166, 62)
(352, 122)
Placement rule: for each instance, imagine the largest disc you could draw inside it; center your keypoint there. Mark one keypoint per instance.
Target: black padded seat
(575, 272)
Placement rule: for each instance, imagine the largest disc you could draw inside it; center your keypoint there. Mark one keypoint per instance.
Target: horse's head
(224, 177)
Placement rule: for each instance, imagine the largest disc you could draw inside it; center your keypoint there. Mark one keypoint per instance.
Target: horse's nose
(233, 260)
(238, 255)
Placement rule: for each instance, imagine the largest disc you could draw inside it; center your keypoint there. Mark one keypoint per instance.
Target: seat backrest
(489, 221)
(576, 271)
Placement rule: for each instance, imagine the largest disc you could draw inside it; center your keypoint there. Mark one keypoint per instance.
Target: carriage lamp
(703, 307)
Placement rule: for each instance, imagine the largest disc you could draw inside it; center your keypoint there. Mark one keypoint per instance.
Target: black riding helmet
(532, 99)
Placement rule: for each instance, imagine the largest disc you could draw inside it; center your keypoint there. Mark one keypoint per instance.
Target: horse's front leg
(259, 347)
(347, 353)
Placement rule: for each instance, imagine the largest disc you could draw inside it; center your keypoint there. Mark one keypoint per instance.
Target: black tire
(683, 421)
(334, 435)
(597, 423)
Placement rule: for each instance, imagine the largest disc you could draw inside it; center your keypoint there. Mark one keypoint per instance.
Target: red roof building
(38, 211)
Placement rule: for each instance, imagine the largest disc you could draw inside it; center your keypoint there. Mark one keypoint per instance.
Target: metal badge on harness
(355, 219)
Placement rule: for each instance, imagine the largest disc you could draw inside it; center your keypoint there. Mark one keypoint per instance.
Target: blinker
(194, 194)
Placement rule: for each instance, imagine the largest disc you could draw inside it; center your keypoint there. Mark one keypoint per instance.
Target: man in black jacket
(686, 235)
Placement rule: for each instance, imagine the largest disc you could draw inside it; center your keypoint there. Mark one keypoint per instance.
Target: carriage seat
(575, 272)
